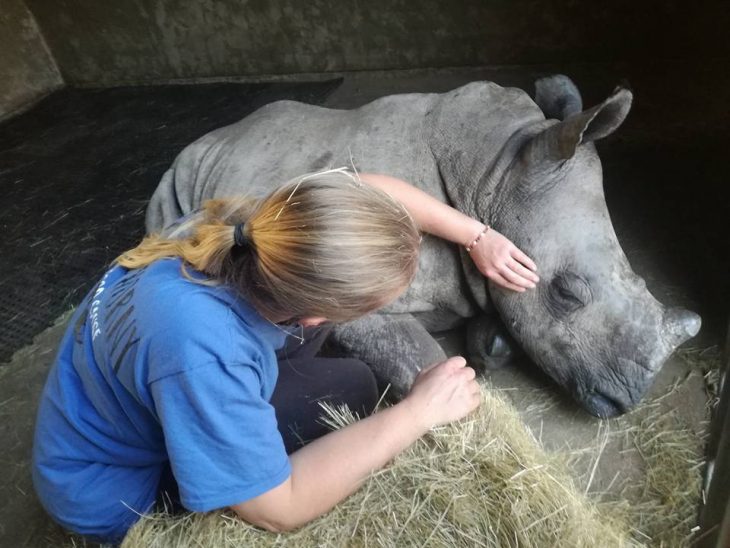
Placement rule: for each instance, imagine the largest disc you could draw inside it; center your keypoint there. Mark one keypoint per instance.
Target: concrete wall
(104, 43)
(27, 70)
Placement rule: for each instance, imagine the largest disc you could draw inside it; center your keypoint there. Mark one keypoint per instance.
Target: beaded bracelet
(476, 240)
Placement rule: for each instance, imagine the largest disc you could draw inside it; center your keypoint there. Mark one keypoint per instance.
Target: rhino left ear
(562, 139)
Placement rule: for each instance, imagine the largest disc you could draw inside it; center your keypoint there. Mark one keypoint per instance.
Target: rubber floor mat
(76, 173)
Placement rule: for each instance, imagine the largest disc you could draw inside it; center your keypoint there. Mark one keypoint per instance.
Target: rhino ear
(558, 97)
(562, 139)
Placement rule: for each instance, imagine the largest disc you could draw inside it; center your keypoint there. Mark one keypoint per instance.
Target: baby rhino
(529, 169)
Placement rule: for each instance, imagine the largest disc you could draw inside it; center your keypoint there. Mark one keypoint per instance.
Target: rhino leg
(488, 343)
(395, 346)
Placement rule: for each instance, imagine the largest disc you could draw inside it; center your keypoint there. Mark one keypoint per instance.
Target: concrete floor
(673, 130)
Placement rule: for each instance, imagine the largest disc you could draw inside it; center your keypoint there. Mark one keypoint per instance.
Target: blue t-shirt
(155, 368)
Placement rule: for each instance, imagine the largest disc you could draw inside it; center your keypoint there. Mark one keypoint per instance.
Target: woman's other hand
(328, 469)
(503, 262)
(444, 392)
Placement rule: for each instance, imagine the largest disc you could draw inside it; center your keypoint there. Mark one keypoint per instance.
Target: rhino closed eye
(567, 293)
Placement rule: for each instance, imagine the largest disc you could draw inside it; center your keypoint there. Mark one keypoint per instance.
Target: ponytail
(205, 249)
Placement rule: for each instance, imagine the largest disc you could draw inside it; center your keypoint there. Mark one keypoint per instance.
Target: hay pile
(483, 482)
(488, 482)
(663, 508)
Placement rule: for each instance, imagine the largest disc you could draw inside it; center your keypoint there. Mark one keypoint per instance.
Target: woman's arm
(494, 255)
(430, 214)
(332, 467)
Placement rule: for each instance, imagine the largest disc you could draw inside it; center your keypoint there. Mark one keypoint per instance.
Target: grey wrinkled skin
(490, 152)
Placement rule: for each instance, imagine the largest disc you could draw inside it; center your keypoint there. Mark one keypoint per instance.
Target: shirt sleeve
(221, 435)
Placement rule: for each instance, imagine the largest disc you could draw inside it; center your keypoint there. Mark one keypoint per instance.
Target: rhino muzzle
(606, 401)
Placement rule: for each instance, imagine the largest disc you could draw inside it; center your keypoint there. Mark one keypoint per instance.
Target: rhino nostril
(604, 407)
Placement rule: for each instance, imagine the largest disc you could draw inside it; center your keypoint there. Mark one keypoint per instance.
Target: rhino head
(591, 323)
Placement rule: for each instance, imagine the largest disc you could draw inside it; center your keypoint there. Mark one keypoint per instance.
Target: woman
(166, 379)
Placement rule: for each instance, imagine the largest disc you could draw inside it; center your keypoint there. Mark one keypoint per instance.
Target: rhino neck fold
(475, 188)
(490, 192)
(483, 202)
(471, 177)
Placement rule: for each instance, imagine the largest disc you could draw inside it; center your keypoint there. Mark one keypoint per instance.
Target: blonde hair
(322, 245)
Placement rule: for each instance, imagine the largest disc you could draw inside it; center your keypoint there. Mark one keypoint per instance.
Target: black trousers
(305, 380)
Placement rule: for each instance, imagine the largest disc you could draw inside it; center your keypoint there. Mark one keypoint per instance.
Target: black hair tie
(239, 238)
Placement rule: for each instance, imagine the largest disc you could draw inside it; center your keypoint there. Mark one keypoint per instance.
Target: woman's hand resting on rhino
(494, 255)
(503, 262)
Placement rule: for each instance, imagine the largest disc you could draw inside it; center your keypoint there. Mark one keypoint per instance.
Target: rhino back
(285, 139)
(402, 135)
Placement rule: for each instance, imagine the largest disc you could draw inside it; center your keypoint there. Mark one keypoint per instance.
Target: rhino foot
(489, 345)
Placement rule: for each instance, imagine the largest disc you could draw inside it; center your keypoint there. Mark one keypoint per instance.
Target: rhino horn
(680, 325)
(560, 141)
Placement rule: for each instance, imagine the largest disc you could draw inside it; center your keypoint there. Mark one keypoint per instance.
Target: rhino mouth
(606, 400)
